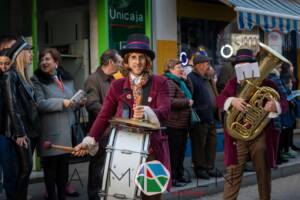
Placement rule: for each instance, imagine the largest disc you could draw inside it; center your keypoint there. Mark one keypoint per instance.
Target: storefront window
(211, 35)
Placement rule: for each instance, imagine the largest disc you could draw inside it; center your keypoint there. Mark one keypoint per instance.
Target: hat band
(244, 56)
(138, 45)
(18, 51)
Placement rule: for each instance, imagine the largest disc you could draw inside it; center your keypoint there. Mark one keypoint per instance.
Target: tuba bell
(247, 125)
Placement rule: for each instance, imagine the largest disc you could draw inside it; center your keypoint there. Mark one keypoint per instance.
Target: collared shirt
(135, 79)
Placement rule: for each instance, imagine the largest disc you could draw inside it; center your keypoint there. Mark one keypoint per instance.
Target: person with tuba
(236, 97)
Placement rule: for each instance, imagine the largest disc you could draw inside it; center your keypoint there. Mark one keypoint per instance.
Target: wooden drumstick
(48, 145)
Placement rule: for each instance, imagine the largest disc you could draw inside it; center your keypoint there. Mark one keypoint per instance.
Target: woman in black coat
(8, 157)
(20, 112)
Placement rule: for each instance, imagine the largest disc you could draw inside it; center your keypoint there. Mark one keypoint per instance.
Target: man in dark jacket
(203, 135)
(96, 87)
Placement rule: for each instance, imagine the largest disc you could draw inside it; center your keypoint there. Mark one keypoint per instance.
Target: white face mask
(246, 71)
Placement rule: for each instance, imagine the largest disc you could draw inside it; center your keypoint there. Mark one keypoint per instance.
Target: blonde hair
(171, 63)
(21, 62)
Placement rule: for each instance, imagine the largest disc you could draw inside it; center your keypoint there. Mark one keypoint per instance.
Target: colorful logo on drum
(152, 178)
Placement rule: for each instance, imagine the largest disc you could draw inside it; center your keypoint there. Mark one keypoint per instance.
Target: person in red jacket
(124, 92)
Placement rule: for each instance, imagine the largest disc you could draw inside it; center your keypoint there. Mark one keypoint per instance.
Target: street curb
(216, 186)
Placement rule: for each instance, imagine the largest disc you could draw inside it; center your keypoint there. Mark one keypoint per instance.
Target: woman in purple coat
(123, 92)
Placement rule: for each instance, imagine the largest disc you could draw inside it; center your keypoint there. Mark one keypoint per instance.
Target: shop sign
(275, 41)
(244, 40)
(125, 17)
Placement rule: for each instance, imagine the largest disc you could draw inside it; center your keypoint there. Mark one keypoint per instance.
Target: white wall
(94, 57)
(166, 19)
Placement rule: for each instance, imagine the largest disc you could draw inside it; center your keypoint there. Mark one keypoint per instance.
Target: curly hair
(124, 70)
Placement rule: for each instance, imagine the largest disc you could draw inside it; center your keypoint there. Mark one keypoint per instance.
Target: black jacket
(1, 107)
(19, 114)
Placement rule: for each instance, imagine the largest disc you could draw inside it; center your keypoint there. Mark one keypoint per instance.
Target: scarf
(137, 88)
(182, 84)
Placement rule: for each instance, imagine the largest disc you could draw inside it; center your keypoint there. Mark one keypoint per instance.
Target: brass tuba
(247, 125)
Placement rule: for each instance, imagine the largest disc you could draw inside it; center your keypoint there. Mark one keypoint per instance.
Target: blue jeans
(9, 162)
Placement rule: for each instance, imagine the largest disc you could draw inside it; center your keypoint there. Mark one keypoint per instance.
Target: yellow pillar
(165, 31)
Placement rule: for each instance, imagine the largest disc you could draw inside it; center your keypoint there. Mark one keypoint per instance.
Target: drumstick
(48, 145)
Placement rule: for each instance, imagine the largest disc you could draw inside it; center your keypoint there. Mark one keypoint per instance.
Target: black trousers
(25, 167)
(34, 143)
(204, 141)
(285, 140)
(96, 167)
(56, 175)
(177, 145)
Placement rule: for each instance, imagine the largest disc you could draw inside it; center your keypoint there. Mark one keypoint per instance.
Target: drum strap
(125, 109)
(146, 90)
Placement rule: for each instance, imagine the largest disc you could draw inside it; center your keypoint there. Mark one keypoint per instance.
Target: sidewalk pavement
(196, 189)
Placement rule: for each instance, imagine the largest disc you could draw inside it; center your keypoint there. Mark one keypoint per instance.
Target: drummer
(139, 95)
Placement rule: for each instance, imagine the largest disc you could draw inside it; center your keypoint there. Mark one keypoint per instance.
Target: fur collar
(47, 79)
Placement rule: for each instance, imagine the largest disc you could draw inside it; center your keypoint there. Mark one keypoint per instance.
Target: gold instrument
(247, 125)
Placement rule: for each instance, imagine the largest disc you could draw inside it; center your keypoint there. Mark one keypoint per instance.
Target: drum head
(133, 123)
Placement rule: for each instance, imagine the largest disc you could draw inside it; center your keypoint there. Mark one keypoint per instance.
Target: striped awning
(280, 15)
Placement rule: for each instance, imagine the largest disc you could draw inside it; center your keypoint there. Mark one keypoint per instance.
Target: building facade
(83, 29)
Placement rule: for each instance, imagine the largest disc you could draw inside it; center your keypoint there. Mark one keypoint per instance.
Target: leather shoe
(281, 160)
(175, 183)
(295, 148)
(213, 173)
(249, 168)
(202, 174)
(184, 180)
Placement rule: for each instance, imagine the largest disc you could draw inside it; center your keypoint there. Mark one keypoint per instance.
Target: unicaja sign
(133, 17)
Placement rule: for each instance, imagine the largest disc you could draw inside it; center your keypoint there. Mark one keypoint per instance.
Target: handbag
(195, 119)
(79, 129)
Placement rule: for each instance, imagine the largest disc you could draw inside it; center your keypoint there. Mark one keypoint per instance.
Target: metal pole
(34, 21)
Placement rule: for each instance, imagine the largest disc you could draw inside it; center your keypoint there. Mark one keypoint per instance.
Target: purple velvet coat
(158, 99)
(272, 134)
